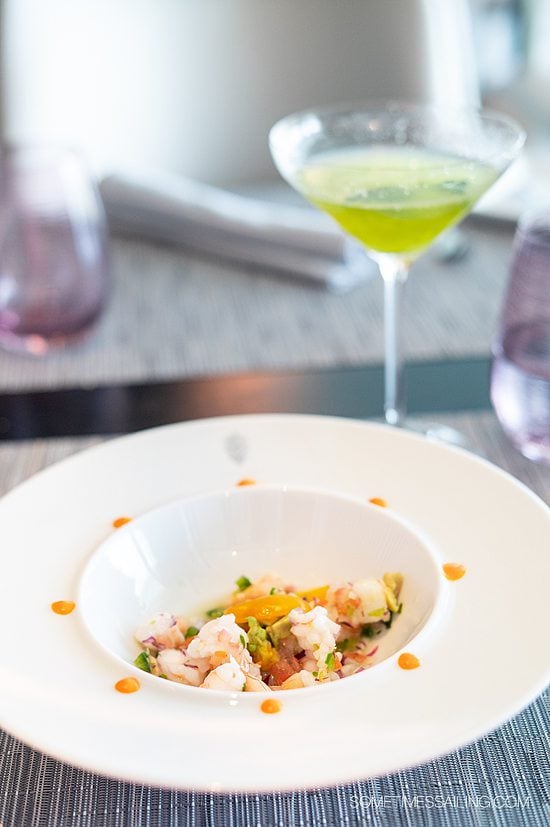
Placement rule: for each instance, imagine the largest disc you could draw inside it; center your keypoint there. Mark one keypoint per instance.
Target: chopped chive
(329, 660)
(213, 613)
(163, 676)
(243, 583)
(243, 641)
(388, 623)
(244, 687)
(399, 609)
(273, 590)
(192, 631)
(315, 674)
(142, 662)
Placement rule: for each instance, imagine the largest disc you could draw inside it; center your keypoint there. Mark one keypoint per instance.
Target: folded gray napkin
(288, 239)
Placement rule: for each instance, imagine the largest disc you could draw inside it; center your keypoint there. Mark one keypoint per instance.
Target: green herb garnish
(399, 609)
(388, 623)
(243, 641)
(213, 613)
(329, 660)
(192, 631)
(142, 662)
(369, 630)
(273, 590)
(243, 583)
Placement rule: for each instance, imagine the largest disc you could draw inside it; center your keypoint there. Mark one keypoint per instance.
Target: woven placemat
(173, 314)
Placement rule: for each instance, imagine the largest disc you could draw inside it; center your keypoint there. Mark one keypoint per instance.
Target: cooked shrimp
(174, 664)
(261, 588)
(299, 680)
(219, 635)
(358, 603)
(218, 641)
(227, 676)
(256, 685)
(160, 632)
(316, 633)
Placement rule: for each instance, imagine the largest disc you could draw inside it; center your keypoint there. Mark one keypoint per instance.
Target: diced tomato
(283, 669)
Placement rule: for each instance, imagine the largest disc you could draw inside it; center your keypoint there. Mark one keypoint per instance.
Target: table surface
(176, 317)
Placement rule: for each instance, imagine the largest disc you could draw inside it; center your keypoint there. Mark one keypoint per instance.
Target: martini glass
(394, 176)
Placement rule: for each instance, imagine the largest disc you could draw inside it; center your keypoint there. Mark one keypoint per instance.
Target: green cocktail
(394, 176)
(394, 200)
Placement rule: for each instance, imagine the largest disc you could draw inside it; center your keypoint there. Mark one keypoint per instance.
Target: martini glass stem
(394, 271)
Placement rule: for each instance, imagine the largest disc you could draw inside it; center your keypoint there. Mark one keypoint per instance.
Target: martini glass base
(436, 431)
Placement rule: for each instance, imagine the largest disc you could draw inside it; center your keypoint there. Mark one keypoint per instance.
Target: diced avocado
(259, 646)
(279, 630)
(392, 586)
(142, 662)
(347, 644)
(257, 635)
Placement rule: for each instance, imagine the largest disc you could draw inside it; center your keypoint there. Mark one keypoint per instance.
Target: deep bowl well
(185, 557)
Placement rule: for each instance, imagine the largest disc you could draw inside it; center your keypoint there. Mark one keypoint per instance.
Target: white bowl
(185, 557)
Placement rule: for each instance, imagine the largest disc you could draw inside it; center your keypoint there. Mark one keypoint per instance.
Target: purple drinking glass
(54, 272)
(520, 374)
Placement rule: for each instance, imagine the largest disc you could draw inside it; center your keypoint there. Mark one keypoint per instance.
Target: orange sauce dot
(408, 661)
(127, 685)
(378, 501)
(270, 706)
(63, 607)
(120, 521)
(246, 481)
(454, 571)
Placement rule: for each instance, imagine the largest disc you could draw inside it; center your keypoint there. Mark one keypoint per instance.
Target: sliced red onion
(149, 640)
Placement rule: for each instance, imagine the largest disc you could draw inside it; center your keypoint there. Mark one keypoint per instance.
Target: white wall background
(194, 85)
